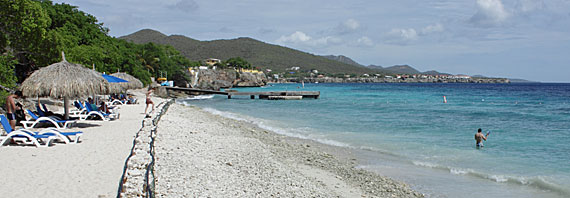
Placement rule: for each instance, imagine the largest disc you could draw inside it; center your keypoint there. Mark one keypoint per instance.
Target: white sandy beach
(91, 168)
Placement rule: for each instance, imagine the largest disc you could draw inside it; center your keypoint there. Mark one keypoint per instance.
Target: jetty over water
(197, 91)
(278, 95)
(270, 95)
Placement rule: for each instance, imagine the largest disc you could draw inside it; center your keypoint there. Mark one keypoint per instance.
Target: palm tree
(148, 61)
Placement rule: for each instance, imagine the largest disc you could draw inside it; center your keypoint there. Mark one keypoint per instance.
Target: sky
(528, 39)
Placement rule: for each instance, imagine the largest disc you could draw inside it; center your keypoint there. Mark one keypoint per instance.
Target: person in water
(479, 137)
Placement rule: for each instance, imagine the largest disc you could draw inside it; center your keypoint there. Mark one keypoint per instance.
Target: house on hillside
(212, 61)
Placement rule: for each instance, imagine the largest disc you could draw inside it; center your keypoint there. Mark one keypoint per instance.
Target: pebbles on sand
(203, 155)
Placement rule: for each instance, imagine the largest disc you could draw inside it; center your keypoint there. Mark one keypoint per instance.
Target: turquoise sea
(407, 132)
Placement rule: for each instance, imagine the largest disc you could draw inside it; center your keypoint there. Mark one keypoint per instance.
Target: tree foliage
(238, 62)
(7, 78)
(36, 32)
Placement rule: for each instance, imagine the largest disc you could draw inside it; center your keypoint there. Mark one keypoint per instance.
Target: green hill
(402, 69)
(259, 54)
(343, 59)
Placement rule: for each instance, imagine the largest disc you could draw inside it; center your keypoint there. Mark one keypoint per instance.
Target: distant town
(315, 77)
(297, 75)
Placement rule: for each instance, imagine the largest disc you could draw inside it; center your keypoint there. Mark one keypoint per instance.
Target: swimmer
(479, 137)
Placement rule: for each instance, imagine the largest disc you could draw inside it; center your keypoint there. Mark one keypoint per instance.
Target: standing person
(479, 137)
(148, 101)
(11, 108)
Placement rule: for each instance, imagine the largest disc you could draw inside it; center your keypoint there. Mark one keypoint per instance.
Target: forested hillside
(259, 54)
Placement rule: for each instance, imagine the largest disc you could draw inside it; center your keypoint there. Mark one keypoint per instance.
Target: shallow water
(406, 131)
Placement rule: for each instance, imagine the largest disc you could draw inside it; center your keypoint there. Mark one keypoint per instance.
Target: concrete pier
(276, 95)
(270, 95)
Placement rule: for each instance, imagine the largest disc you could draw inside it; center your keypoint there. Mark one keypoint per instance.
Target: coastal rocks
(161, 92)
(137, 177)
(251, 80)
(211, 79)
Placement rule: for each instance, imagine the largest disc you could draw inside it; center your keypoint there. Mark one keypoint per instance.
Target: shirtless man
(479, 137)
(11, 108)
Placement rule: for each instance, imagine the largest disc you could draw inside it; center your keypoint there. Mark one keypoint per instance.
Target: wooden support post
(252, 97)
(229, 96)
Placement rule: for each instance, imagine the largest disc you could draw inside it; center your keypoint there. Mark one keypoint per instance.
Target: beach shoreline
(202, 154)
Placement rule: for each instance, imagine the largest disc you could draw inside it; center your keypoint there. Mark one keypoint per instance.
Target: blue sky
(527, 39)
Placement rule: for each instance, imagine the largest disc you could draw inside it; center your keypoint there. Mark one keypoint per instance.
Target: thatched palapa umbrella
(133, 83)
(64, 80)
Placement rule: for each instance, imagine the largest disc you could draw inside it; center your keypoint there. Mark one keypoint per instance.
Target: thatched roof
(133, 83)
(64, 79)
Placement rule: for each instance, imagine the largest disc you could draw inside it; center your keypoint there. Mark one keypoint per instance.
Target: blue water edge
(407, 132)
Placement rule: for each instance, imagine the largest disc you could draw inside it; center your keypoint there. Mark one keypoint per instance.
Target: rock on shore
(215, 79)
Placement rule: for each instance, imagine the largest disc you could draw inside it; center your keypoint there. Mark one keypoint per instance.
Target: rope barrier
(148, 185)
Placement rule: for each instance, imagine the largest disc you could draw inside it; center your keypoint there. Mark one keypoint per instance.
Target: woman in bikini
(148, 100)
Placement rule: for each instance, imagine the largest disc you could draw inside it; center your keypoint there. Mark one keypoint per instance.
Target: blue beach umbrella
(113, 79)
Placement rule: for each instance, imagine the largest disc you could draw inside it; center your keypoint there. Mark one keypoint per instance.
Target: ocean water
(407, 132)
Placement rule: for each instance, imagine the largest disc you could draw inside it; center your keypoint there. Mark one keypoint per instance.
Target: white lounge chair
(34, 138)
(115, 102)
(50, 133)
(53, 120)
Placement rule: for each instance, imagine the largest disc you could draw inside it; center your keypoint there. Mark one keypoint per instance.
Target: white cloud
(401, 36)
(435, 28)
(300, 38)
(346, 27)
(297, 37)
(365, 41)
(525, 6)
(328, 40)
(490, 13)
(351, 24)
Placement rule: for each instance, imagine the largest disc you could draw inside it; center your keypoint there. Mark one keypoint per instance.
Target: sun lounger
(84, 113)
(115, 102)
(80, 109)
(44, 108)
(66, 137)
(32, 137)
(51, 119)
(99, 113)
(40, 111)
